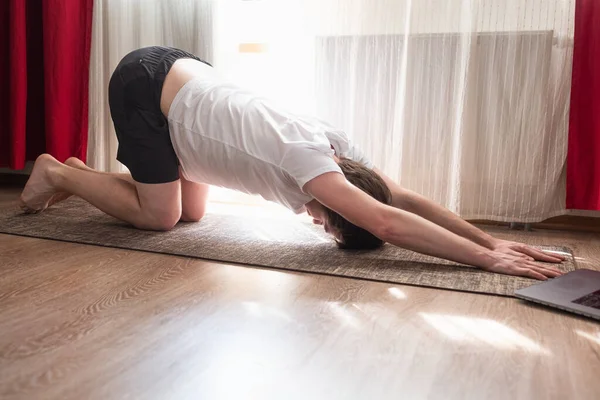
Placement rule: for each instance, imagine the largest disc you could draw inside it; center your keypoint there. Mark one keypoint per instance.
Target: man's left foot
(39, 189)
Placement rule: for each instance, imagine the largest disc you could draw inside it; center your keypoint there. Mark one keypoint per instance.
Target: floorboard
(89, 322)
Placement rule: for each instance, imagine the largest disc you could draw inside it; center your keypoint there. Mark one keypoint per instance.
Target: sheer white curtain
(464, 101)
(120, 26)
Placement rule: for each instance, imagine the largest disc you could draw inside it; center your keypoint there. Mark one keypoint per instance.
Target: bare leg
(194, 196)
(75, 162)
(155, 207)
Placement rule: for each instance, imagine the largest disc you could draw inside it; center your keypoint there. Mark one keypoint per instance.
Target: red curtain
(44, 73)
(583, 161)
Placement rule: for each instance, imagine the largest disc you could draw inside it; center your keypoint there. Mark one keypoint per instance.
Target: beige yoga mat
(285, 244)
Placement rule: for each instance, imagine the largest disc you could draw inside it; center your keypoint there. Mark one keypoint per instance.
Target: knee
(161, 221)
(165, 224)
(192, 216)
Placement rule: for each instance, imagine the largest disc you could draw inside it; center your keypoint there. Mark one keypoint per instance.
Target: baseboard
(13, 179)
(560, 223)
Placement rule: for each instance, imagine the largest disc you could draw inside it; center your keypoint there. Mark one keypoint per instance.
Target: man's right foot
(76, 163)
(73, 162)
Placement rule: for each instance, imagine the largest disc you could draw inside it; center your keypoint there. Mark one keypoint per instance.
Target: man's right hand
(508, 264)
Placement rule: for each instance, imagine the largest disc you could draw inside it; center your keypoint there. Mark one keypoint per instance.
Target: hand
(524, 251)
(519, 265)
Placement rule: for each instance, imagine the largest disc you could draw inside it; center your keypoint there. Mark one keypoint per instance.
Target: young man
(181, 128)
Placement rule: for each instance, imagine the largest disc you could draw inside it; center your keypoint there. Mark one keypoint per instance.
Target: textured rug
(261, 241)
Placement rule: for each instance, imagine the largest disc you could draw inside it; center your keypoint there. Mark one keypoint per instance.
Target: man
(181, 128)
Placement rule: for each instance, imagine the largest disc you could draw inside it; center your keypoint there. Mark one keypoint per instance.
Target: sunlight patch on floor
(480, 330)
(590, 336)
(224, 201)
(397, 293)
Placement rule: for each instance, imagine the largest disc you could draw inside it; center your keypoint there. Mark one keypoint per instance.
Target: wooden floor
(85, 322)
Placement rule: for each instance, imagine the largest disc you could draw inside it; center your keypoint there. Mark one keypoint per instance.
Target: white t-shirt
(228, 137)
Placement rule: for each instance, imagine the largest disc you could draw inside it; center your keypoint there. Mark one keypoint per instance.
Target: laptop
(577, 292)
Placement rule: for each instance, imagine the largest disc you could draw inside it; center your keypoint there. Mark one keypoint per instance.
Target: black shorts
(134, 92)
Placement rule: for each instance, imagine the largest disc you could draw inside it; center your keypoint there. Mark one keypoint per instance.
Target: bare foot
(61, 196)
(76, 163)
(58, 197)
(39, 189)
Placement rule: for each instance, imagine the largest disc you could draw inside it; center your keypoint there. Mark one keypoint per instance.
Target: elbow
(386, 230)
(393, 227)
(406, 200)
(407, 203)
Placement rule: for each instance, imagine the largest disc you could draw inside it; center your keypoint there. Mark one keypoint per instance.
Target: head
(348, 235)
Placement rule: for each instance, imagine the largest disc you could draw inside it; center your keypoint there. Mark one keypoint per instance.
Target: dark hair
(367, 180)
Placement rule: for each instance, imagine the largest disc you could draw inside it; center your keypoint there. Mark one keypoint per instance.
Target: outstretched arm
(410, 231)
(415, 203)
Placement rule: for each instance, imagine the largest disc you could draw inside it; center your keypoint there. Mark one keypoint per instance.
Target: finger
(549, 272)
(539, 256)
(556, 255)
(549, 258)
(532, 274)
